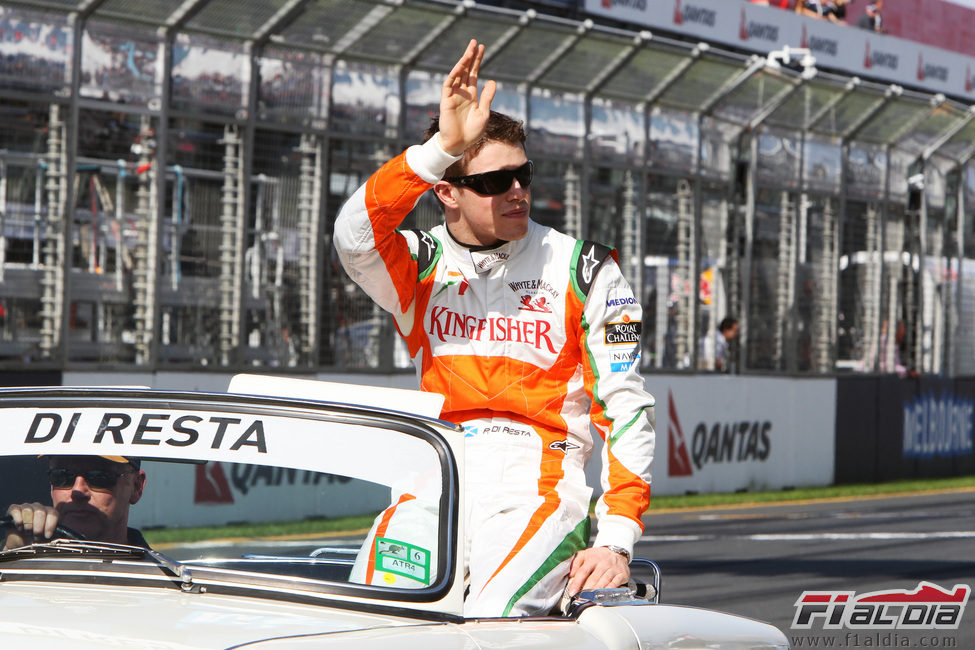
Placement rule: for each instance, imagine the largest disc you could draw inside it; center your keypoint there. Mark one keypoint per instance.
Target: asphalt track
(756, 561)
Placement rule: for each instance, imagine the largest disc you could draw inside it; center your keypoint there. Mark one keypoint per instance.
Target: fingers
(35, 519)
(475, 66)
(50, 519)
(460, 74)
(597, 568)
(487, 96)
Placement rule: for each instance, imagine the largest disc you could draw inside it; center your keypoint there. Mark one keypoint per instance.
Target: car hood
(95, 616)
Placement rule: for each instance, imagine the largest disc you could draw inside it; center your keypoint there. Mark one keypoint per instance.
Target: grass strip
(323, 526)
(312, 526)
(810, 493)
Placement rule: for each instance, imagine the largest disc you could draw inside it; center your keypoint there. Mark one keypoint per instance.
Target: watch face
(620, 550)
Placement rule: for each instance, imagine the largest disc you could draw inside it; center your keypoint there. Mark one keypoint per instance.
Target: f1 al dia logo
(927, 607)
(714, 442)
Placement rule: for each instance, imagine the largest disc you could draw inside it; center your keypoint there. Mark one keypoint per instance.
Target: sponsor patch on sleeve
(623, 332)
(623, 360)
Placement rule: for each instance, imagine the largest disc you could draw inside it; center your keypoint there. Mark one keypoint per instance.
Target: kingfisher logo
(715, 443)
(927, 607)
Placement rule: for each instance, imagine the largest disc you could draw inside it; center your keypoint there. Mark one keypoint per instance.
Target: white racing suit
(530, 342)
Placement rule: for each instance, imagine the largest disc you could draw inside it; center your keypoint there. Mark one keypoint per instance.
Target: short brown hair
(500, 128)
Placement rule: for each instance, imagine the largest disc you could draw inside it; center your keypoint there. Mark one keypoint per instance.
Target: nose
(80, 486)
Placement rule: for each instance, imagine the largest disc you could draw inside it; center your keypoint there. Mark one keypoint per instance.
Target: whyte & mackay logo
(927, 607)
(715, 442)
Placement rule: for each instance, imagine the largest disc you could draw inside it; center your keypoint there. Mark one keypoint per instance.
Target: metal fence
(169, 174)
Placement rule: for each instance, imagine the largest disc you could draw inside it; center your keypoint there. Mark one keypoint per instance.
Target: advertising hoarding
(840, 47)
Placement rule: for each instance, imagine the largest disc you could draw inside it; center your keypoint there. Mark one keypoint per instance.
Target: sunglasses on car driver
(97, 479)
(496, 182)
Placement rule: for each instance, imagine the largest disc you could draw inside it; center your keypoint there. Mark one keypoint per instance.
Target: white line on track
(811, 537)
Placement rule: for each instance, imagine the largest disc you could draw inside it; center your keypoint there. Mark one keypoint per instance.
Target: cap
(134, 462)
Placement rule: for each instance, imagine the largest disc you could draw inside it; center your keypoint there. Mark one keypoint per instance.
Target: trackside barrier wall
(714, 434)
(724, 434)
(889, 428)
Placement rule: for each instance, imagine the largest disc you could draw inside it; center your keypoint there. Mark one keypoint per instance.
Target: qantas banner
(223, 493)
(723, 434)
(764, 29)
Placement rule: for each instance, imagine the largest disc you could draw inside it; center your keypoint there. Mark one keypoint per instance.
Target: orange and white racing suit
(530, 342)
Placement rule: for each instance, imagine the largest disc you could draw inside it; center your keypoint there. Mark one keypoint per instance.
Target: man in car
(531, 335)
(91, 495)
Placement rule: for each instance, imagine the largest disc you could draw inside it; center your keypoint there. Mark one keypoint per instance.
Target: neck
(474, 247)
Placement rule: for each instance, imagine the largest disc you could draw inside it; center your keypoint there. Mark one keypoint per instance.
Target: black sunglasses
(496, 182)
(97, 479)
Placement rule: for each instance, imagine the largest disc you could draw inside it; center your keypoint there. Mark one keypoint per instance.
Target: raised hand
(463, 116)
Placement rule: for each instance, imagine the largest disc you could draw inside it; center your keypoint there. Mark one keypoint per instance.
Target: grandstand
(169, 174)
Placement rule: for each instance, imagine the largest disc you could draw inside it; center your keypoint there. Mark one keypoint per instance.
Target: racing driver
(530, 334)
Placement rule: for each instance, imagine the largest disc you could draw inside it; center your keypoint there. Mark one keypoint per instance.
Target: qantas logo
(749, 29)
(930, 71)
(678, 460)
(212, 484)
(717, 442)
(693, 14)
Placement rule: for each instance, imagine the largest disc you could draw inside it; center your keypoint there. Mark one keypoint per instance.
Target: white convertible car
(252, 455)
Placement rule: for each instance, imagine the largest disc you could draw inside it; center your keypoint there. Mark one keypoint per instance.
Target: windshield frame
(428, 430)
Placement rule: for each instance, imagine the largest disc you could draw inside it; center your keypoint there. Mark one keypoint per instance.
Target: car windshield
(258, 485)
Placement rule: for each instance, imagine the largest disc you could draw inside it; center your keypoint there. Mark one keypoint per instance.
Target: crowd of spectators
(833, 10)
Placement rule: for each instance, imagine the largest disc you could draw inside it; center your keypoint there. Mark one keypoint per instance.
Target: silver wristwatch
(621, 551)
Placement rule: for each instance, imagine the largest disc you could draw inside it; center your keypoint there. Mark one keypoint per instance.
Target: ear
(138, 486)
(446, 193)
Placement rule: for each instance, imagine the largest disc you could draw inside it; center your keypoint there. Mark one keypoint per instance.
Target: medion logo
(715, 442)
